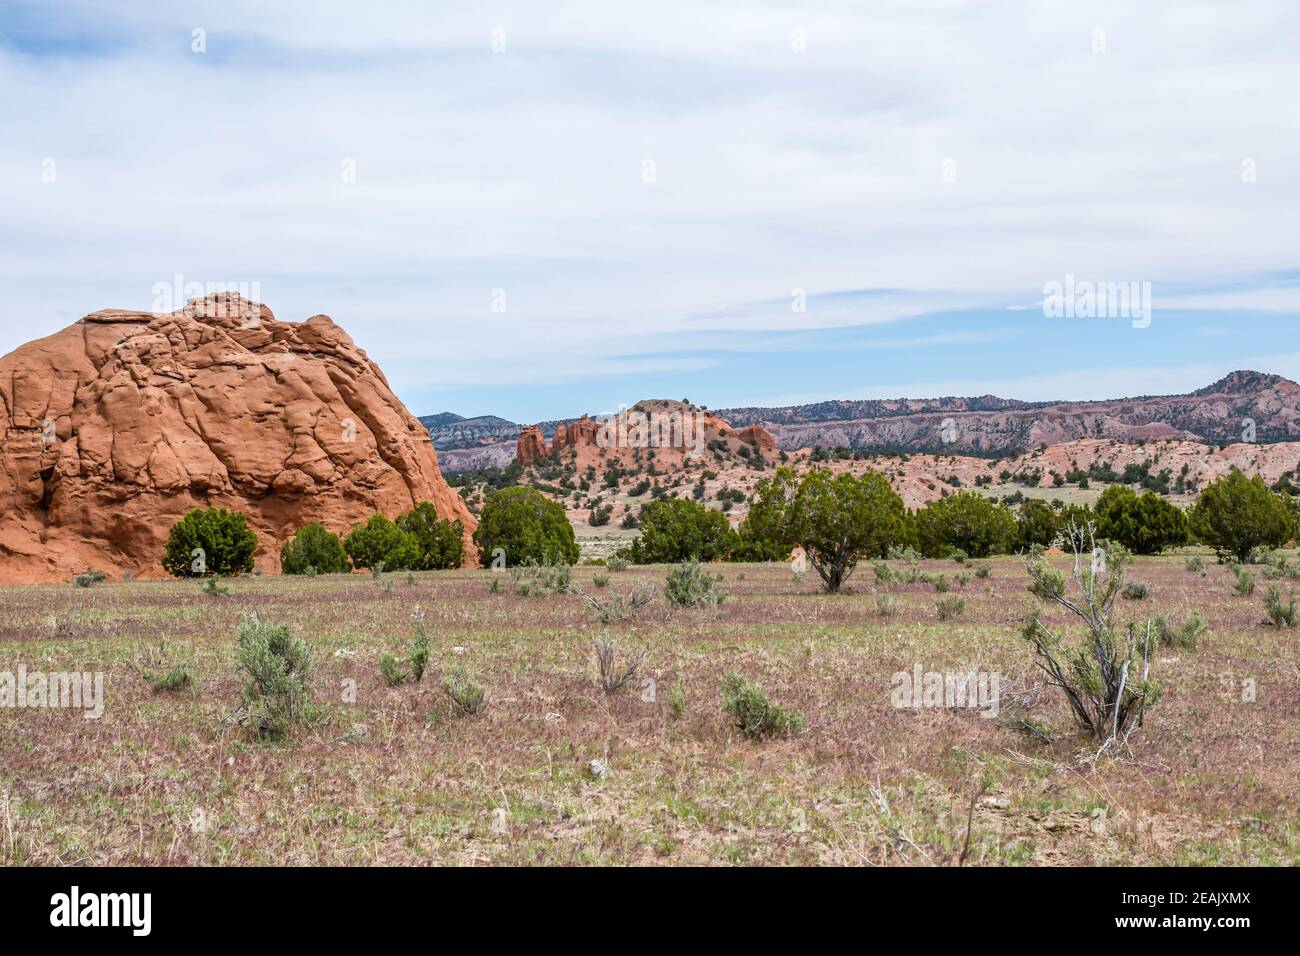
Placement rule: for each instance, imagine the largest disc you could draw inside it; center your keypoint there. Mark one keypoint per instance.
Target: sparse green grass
(391, 774)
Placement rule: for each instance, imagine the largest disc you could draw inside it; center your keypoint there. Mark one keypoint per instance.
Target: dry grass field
(390, 775)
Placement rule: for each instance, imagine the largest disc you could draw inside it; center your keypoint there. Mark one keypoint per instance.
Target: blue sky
(650, 191)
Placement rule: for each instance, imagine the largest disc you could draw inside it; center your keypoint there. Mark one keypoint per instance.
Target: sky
(537, 209)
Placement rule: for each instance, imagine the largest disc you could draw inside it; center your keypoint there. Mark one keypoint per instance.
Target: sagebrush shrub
(1185, 635)
(950, 606)
(278, 667)
(421, 647)
(1279, 613)
(1135, 591)
(1105, 677)
(213, 587)
(394, 673)
(174, 678)
(541, 578)
(689, 585)
(469, 696)
(619, 607)
(754, 714)
(89, 578)
(1245, 583)
(886, 605)
(676, 701)
(609, 675)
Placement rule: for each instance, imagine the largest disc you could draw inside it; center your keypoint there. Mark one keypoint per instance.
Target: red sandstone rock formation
(531, 445)
(672, 430)
(113, 428)
(759, 437)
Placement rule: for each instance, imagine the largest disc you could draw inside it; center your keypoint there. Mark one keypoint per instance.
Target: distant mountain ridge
(1267, 406)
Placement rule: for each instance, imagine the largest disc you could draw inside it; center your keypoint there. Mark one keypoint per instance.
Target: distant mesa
(983, 425)
(113, 428)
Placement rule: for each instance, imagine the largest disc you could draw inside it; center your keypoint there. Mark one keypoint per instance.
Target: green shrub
(1280, 614)
(983, 571)
(1145, 524)
(689, 585)
(526, 526)
(838, 519)
(1194, 564)
(619, 607)
(469, 696)
(174, 678)
(541, 579)
(1235, 515)
(381, 544)
(440, 543)
(1105, 677)
(393, 671)
(209, 541)
(421, 647)
(89, 578)
(1036, 524)
(676, 701)
(675, 529)
(277, 666)
(966, 520)
(753, 714)
(1135, 590)
(213, 587)
(1185, 635)
(313, 549)
(886, 605)
(884, 573)
(600, 580)
(1245, 583)
(941, 583)
(617, 563)
(950, 606)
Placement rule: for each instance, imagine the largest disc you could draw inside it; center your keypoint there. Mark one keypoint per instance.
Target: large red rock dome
(113, 428)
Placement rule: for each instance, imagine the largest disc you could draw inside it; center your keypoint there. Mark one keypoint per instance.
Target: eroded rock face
(531, 445)
(113, 428)
(674, 431)
(758, 436)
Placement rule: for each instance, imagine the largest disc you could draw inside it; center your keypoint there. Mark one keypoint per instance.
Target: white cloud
(775, 170)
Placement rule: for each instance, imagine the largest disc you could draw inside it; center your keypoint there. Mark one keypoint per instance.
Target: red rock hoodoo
(113, 428)
(531, 445)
